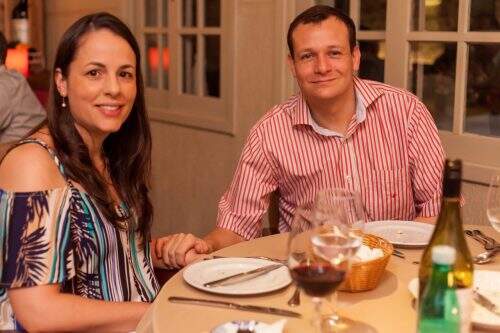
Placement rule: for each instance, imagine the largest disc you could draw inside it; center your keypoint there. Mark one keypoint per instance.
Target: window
(447, 52)
(188, 51)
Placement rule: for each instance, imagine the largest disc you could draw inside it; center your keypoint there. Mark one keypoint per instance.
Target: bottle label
(20, 30)
(464, 296)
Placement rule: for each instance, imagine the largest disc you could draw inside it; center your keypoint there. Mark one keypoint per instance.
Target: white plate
(401, 233)
(487, 283)
(208, 270)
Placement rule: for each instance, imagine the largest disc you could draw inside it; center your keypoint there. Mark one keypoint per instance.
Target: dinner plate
(487, 284)
(208, 270)
(401, 233)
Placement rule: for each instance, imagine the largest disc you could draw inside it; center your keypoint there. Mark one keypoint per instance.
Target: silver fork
(479, 236)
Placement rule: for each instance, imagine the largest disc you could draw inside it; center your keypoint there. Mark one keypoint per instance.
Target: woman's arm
(46, 309)
(177, 250)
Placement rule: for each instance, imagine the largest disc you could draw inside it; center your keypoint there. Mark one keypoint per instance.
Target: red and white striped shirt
(392, 155)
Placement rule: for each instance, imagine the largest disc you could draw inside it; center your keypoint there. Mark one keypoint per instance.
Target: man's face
(323, 63)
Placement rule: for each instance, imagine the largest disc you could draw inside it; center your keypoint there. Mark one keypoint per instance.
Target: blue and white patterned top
(59, 236)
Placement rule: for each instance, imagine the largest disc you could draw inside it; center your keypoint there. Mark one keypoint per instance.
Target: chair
(273, 215)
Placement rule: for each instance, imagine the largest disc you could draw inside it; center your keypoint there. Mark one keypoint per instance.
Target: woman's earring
(63, 104)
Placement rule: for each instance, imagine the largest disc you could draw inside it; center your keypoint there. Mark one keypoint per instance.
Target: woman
(74, 250)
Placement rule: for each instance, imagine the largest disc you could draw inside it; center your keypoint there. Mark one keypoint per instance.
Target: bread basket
(366, 275)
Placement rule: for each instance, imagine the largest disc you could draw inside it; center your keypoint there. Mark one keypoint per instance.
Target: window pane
(483, 90)
(372, 60)
(372, 15)
(434, 15)
(485, 15)
(165, 60)
(189, 64)
(212, 13)
(151, 12)
(432, 78)
(165, 12)
(152, 61)
(189, 13)
(343, 5)
(211, 86)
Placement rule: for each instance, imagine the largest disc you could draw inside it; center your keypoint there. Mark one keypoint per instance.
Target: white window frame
(481, 154)
(172, 105)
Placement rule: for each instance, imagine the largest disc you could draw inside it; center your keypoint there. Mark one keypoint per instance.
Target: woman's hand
(178, 250)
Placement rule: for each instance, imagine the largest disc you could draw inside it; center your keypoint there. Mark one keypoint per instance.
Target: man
(340, 131)
(20, 110)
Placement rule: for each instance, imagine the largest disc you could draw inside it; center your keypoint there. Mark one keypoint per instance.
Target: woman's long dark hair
(127, 151)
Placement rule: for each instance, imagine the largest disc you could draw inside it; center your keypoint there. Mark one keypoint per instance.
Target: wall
(191, 167)
(59, 15)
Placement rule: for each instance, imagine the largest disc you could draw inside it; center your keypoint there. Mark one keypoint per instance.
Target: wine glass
(318, 258)
(335, 207)
(493, 202)
(342, 207)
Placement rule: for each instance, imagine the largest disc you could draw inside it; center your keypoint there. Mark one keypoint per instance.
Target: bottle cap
(443, 254)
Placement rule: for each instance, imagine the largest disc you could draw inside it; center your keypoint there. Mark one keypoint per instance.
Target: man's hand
(178, 250)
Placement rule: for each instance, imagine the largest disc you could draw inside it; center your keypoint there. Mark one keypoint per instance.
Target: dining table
(388, 308)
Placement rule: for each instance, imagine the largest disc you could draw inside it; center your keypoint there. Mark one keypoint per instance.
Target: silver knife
(240, 277)
(234, 306)
(484, 301)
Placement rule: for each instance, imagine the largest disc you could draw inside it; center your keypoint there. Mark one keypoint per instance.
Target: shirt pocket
(387, 195)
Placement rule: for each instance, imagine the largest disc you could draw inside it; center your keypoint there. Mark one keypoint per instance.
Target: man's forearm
(220, 238)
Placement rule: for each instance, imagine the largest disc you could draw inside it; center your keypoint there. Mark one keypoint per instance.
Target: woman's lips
(110, 110)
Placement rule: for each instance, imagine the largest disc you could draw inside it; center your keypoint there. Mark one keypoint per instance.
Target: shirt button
(348, 178)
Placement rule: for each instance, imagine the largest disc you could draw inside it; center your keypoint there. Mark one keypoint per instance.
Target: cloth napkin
(366, 253)
(232, 327)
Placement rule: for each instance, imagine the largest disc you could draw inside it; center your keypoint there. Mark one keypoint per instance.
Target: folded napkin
(366, 253)
(258, 327)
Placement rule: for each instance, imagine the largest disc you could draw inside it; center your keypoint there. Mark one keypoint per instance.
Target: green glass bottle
(449, 231)
(439, 308)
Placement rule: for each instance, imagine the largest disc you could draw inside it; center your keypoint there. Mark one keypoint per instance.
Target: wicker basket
(366, 275)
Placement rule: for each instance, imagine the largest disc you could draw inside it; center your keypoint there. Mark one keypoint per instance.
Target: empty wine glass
(318, 258)
(493, 202)
(336, 207)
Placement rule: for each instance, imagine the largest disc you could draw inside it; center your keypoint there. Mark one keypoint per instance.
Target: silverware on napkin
(234, 306)
(240, 277)
(484, 301)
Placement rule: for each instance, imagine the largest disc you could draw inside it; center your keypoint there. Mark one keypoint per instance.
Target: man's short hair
(318, 14)
(3, 48)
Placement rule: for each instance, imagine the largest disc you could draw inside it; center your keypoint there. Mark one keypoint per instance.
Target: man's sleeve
(241, 208)
(426, 158)
(5, 114)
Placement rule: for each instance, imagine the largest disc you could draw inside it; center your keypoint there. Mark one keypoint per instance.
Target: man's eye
(93, 72)
(335, 53)
(306, 56)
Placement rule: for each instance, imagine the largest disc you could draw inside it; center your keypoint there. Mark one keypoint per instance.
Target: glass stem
(332, 303)
(316, 320)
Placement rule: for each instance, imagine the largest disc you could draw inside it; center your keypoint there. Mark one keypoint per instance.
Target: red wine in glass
(317, 279)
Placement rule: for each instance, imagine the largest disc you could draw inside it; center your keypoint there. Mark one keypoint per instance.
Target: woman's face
(101, 83)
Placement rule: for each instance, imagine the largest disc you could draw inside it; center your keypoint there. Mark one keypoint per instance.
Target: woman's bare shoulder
(29, 167)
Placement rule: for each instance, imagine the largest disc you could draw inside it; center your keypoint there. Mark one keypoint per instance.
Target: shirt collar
(365, 96)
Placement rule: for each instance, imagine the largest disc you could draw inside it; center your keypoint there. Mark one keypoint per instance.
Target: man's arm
(220, 238)
(426, 157)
